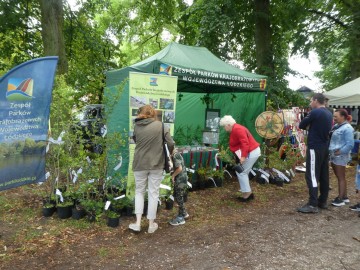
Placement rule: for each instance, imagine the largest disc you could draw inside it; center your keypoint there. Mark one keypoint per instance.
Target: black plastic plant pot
(91, 216)
(113, 222)
(169, 204)
(218, 182)
(64, 211)
(201, 184)
(77, 213)
(48, 211)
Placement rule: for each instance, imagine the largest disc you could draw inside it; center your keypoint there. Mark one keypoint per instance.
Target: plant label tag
(88, 159)
(165, 187)
(104, 129)
(119, 165)
(51, 139)
(58, 192)
(120, 197)
(55, 142)
(56, 179)
(292, 173)
(189, 184)
(216, 160)
(172, 197)
(47, 175)
(159, 201)
(107, 204)
(59, 139)
(47, 147)
(190, 170)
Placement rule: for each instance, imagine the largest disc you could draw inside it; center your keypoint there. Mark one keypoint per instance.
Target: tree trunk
(52, 16)
(263, 34)
(355, 41)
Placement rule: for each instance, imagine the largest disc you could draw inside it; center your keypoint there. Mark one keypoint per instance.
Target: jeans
(248, 164)
(151, 179)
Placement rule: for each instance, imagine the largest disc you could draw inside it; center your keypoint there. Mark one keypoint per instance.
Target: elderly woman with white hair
(246, 150)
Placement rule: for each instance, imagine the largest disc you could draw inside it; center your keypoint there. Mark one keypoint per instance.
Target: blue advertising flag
(25, 97)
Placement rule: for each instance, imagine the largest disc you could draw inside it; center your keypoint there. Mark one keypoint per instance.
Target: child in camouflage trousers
(179, 178)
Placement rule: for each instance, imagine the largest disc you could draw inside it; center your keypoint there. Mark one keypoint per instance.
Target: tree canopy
(100, 35)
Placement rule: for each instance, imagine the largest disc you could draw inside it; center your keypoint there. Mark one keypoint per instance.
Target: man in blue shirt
(318, 123)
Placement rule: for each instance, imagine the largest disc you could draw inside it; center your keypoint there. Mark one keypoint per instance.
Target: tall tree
(20, 39)
(52, 24)
(263, 38)
(332, 29)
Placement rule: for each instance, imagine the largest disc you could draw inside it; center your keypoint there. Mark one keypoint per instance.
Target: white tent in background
(347, 95)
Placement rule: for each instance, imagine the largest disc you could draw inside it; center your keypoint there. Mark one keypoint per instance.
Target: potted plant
(227, 158)
(93, 208)
(48, 209)
(113, 218)
(64, 208)
(203, 173)
(192, 178)
(169, 202)
(218, 177)
(127, 206)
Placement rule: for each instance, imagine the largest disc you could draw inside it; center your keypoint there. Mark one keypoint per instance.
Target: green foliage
(286, 158)
(226, 156)
(188, 135)
(112, 214)
(218, 174)
(331, 30)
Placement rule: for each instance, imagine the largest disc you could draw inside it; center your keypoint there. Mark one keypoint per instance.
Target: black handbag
(239, 168)
(168, 163)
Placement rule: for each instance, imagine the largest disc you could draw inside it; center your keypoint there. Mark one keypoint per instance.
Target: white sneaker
(346, 200)
(153, 228)
(134, 227)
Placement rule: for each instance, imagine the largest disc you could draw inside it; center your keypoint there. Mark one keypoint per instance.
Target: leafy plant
(218, 174)
(226, 156)
(94, 207)
(112, 214)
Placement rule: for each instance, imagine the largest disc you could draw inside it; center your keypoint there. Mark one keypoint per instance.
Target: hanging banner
(25, 97)
(160, 92)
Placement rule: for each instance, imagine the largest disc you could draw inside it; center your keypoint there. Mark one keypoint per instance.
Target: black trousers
(317, 175)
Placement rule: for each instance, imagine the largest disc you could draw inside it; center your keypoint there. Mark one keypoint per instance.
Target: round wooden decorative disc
(269, 125)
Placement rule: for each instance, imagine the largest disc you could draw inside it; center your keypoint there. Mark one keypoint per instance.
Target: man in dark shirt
(319, 123)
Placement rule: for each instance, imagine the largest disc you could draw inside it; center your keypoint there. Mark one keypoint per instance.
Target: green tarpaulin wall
(234, 91)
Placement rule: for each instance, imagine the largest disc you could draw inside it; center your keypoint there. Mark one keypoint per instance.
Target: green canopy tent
(234, 91)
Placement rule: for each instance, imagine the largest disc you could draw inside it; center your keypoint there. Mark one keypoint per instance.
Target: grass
(103, 252)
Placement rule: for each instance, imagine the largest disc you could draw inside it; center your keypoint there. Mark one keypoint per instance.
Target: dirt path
(221, 234)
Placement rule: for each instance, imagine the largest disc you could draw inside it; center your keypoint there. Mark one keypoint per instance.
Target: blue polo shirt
(319, 122)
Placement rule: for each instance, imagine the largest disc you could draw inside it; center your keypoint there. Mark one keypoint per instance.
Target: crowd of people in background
(330, 139)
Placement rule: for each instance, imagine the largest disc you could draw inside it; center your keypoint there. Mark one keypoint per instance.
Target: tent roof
(346, 95)
(198, 71)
